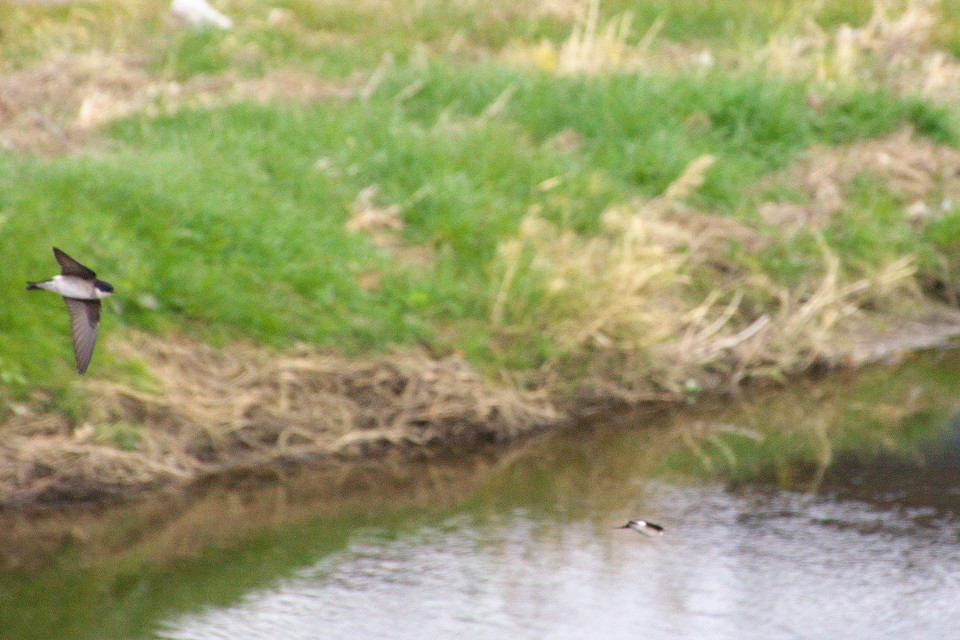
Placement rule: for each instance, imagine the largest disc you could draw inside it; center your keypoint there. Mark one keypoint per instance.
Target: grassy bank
(452, 222)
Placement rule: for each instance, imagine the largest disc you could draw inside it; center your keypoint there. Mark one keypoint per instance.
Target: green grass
(940, 255)
(233, 219)
(227, 220)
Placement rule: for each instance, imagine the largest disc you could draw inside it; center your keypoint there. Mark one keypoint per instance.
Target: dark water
(827, 510)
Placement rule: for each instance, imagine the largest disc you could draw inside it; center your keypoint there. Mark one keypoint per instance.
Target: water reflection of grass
(788, 436)
(890, 411)
(116, 576)
(126, 599)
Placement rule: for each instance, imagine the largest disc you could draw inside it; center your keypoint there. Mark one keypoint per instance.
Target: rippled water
(755, 564)
(829, 510)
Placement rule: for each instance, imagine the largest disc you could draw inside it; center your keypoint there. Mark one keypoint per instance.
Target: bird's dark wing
(84, 322)
(70, 267)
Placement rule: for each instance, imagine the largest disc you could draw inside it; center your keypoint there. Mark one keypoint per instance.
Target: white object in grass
(199, 13)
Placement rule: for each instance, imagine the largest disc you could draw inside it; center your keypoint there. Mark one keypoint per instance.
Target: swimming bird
(82, 292)
(644, 527)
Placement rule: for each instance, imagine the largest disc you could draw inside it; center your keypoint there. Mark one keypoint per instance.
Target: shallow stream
(830, 509)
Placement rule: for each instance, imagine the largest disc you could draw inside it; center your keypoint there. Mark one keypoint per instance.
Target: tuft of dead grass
(381, 223)
(802, 327)
(627, 301)
(923, 174)
(243, 410)
(384, 225)
(895, 50)
(594, 47)
(591, 48)
(610, 289)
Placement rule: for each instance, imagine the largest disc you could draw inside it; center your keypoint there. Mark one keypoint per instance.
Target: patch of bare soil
(243, 410)
(924, 174)
(56, 106)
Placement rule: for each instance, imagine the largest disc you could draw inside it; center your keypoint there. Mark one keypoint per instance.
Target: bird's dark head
(103, 288)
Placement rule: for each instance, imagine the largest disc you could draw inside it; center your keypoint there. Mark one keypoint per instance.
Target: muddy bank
(244, 412)
(792, 433)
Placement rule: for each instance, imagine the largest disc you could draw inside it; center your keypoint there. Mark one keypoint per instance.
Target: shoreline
(714, 440)
(355, 413)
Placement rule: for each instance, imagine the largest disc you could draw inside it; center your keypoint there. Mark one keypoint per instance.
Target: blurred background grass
(230, 219)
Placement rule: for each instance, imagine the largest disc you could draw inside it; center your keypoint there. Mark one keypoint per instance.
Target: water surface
(829, 509)
(747, 565)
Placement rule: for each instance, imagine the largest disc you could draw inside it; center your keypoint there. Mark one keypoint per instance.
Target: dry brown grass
(802, 326)
(626, 301)
(894, 49)
(384, 225)
(924, 174)
(57, 105)
(244, 410)
(594, 47)
(591, 48)
(303, 398)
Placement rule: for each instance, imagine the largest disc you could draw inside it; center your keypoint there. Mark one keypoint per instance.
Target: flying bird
(644, 527)
(82, 292)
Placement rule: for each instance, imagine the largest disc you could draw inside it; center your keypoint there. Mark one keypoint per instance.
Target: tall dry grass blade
(590, 49)
(692, 178)
(895, 50)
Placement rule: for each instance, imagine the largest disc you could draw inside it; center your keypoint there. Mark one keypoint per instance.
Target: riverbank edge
(242, 412)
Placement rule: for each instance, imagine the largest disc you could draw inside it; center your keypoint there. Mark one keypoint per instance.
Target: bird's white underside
(73, 287)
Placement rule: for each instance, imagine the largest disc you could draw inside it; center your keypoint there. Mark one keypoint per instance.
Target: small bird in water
(82, 292)
(644, 527)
